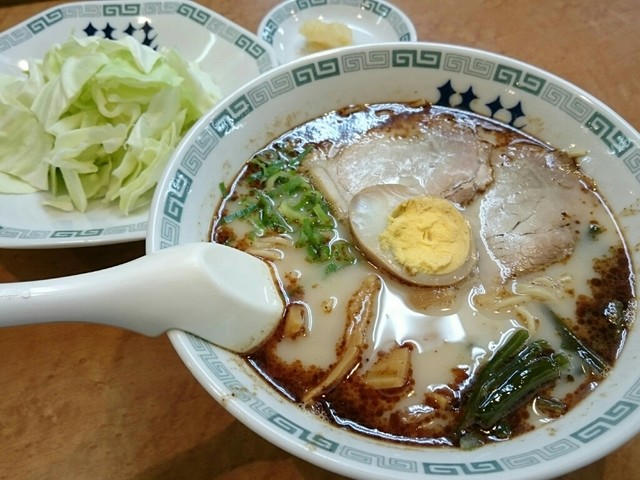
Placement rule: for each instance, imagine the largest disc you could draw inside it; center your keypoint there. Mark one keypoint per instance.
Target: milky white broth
(450, 331)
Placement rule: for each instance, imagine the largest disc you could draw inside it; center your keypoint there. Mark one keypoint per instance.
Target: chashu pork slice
(439, 155)
(528, 217)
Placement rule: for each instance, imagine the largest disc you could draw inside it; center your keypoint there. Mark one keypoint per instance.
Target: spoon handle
(115, 296)
(207, 289)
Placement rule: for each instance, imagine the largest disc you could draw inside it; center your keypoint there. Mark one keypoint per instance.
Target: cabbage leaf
(98, 119)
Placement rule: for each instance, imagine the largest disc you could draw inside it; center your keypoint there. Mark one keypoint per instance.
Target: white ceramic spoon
(221, 294)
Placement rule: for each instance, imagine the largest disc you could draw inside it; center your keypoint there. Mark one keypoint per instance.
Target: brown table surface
(94, 402)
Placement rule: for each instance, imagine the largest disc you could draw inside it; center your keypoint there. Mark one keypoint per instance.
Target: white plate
(231, 54)
(371, 21)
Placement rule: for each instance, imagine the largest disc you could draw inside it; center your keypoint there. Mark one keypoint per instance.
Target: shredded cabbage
(98, 119)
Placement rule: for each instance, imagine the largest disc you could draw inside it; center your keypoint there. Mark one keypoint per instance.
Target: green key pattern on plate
(118, 14)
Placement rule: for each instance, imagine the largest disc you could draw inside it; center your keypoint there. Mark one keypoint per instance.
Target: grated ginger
(322, 35)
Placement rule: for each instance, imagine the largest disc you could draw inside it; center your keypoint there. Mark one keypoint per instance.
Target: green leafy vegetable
(22, 137)
(513, 375)
(572, 343)
(482, 383)
(98, 119)
(523, 379)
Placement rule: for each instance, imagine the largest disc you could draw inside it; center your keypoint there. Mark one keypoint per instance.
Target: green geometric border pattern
(39, 234)
(377, 8)
(95, 10)
(596, 121)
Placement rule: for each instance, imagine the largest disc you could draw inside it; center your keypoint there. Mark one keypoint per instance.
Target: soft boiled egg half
(420, 239)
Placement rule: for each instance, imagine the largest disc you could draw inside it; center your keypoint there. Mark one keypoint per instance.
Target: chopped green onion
(282, 200)
(277, 178)
(595, 230)
(248, 210)
(322, 214)
(291, 213)
(300, 158)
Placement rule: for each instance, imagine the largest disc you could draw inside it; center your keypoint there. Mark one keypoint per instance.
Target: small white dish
(228, 52)
(370, 21)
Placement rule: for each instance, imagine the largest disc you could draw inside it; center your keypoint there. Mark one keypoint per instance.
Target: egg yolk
(427, 235)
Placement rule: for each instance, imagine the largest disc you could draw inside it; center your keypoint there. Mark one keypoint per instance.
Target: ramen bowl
(507, 90)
